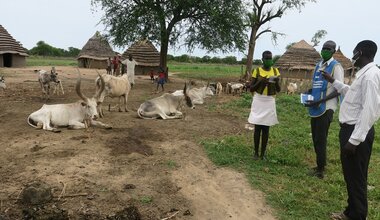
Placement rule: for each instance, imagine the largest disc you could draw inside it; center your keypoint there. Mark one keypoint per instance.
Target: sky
(70, 23)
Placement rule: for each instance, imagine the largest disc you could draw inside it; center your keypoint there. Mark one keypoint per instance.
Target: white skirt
(263, 110)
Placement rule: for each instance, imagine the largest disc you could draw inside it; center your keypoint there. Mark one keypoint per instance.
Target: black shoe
(315, 171)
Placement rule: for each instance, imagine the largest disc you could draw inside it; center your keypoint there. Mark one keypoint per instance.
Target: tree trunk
(251, 50)
(164, 52)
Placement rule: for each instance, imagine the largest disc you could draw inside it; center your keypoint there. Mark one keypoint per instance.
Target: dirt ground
(140, 169)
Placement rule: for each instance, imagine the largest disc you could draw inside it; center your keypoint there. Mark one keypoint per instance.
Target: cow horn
(102, 85)
(185, 89)
(77, 87)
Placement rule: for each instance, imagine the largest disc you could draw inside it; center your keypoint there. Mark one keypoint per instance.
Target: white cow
(45, 78)
(291, 88)
(2, 83)
(197, 95)
(77, 115)
(115, 86)
(166, 106)
(237, 88)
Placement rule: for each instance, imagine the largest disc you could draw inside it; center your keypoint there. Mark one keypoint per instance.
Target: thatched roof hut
(95, 52)
(12, 54)
(339, 56)
(145, 54)
(298, 61)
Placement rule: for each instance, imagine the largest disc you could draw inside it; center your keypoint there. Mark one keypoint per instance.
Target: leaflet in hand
(306, 98)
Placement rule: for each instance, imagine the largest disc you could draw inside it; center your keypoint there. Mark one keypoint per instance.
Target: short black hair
(267, 52)
(368, 48)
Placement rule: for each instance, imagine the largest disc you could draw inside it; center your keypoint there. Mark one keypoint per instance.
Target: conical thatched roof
(97, 48)
(339, 56)
(300, 56)
(9, 45)
(144, 53)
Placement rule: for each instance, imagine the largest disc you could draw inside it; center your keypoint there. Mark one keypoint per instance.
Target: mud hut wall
(1, 60)
(296, 74)
(18, 61)
(92, 64)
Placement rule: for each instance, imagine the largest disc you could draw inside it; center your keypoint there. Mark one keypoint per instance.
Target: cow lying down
(166, 106)
(77, 115)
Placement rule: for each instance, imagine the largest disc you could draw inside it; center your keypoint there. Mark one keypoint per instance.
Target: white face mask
(355, 57)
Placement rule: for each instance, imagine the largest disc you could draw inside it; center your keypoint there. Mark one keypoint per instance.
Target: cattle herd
(86, 111)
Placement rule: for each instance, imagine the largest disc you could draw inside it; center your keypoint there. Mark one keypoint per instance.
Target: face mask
(326, 54)
(268, 63)
(355, 57)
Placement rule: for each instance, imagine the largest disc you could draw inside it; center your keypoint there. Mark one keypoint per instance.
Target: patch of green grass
(51, 61)
(146, 199)
(205, 71)
(283, 177)
(171, 164)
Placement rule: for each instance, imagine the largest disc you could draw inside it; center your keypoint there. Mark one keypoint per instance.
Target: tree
(213, 25)
(264, 11)
(318, 36)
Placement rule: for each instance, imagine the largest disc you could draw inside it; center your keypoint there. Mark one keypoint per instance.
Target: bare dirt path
(157, 167)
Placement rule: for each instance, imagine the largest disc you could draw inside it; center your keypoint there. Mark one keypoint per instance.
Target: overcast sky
(70, 23)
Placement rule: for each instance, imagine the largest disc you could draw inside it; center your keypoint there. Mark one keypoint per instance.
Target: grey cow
(45, 78)
(2, 83)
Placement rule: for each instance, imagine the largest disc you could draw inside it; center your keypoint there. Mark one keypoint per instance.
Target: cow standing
(77, 115)
(115, 86)
(166, 106)
(45, 78)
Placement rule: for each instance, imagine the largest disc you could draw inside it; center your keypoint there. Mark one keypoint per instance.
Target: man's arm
(339, 86)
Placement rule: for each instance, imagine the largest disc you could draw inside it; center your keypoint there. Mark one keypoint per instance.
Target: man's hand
(327, 76)
(349, 149)
(311, 103)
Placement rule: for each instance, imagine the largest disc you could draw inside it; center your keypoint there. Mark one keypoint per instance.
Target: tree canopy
(213, 25)
(44, 49)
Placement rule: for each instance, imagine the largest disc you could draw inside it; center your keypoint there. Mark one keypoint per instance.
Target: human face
(355, 58)
(267, 60)
(326, 53)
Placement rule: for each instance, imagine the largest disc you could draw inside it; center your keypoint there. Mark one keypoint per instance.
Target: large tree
(213, 25)
(261, 12)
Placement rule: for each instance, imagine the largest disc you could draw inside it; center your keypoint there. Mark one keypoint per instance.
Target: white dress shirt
(338, 74)
(130, 69)
(361, 103)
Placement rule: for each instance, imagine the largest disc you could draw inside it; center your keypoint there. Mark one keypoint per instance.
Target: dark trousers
(355, 171)
(263, 131)
(320, 130)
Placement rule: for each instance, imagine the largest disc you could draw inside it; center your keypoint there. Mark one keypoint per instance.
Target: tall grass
(51, 61)
(284, 175)
(206, 71)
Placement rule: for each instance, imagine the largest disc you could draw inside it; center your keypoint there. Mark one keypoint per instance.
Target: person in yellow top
(265, 84)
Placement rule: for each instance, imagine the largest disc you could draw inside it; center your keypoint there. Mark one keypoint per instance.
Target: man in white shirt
(325, 103)
(359, 111)
(131, 64)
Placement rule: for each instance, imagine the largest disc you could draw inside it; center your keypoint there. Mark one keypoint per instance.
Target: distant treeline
(44, 49)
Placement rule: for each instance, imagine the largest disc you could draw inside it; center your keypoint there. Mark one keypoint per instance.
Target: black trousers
(355, 171)
(320, 130)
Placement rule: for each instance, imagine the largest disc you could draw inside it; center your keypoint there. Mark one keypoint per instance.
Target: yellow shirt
(265, 74)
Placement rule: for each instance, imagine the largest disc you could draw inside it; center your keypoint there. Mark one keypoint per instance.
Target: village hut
(298, 61)
(95, 53)
(12, 53)
(344, 61)
(146, 56)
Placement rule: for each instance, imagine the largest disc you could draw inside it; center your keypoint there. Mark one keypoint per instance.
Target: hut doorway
(7, 60)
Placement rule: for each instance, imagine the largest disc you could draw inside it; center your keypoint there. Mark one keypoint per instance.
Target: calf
(2, 83)
(115, 86)
(291, 88)
(45, 78)
(237, 88)
(77, 115)
(219, 88)
(166, 106)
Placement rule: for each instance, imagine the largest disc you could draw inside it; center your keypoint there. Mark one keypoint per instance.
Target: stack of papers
(306, 98)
